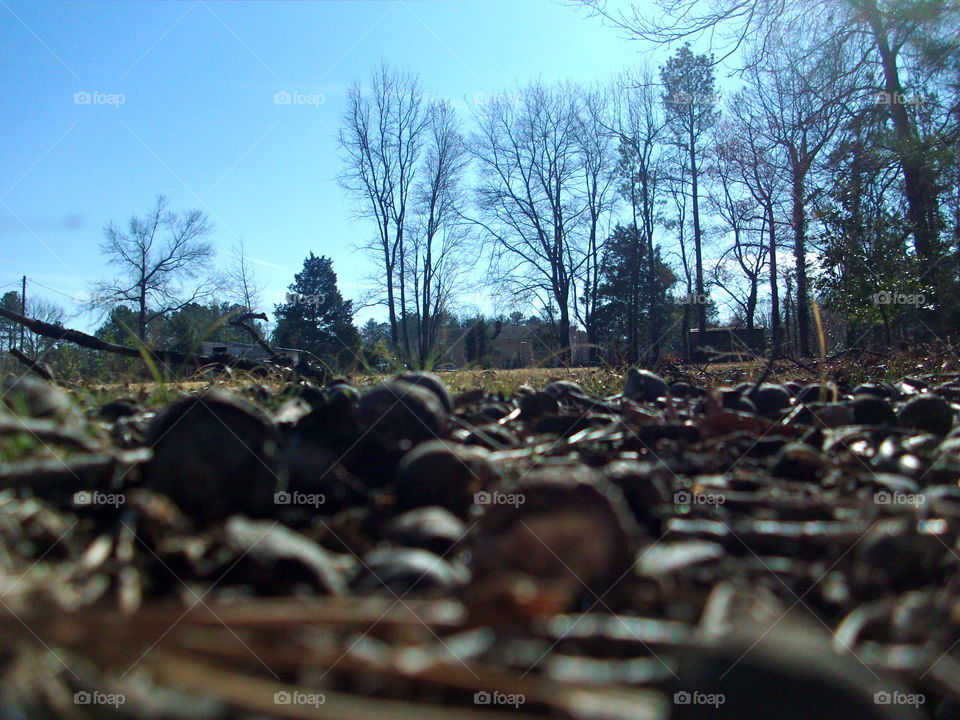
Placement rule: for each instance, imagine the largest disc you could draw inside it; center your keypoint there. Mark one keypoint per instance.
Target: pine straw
(244, 653)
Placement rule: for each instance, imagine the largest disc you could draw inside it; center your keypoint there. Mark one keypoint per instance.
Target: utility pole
(23, 308)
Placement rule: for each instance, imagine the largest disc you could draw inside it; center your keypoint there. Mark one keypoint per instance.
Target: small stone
(340, 392)
(214, 455)
(275, 558)
(430, 528)
(929, 413)
(537, 403)
(442, 473)
(32, 397)
(770, 399)
(799, 461)
(403, 570)
(680, 389)
(116, 409)
(794, 387)
(870, 409)
(874, 389)
(643, 385)
(566, 524)
(562, 388)
(431, 382)
(733, 399)
(396, 416)
(645, 486)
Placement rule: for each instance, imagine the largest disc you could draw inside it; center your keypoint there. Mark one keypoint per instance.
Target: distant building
(254, 353)
(514, 346)
(728, 340)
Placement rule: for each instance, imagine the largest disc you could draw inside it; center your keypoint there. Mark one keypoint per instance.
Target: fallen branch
(58, 332)
(241, 322)
(38, 368)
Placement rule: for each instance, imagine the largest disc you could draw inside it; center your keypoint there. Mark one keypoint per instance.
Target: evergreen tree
(189, 327)
(315, 316)
(627, 291)
(476, 342)
(690, 102)
(9, 330)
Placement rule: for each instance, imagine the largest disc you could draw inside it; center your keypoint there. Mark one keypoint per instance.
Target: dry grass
(598, 381)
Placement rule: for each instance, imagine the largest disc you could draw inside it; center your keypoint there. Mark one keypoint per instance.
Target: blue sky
(198, 121)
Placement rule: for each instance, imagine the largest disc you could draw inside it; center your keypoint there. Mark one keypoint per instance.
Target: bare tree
(598, 155)
(242, 284)
(439, 235)
(639, 127)
(886, 30)
(156, 255)
(733, 204)
(530, 196)
(382, 135)
(803, 95)
(691, 104)
(750, 157)
(676, 184)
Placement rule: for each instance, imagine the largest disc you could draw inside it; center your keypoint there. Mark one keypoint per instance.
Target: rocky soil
(778, 550)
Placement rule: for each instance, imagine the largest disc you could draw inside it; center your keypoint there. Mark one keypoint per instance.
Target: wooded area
(626, 216)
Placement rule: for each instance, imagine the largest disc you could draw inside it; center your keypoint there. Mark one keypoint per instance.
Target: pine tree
(627, 292)
(690, 102)
(476, 342)
(315, 316)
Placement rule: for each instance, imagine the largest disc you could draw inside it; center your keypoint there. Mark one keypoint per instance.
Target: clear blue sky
(198, 121)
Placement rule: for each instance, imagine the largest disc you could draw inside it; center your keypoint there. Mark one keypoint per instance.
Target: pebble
(928, 413)
(442, 473)
(399, 571)
(215, 455)
(430, 528)
(394, 418)
(644, 386)
(770, 399)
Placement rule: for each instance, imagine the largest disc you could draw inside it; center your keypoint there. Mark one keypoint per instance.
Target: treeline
(826, 171)
(815, 162)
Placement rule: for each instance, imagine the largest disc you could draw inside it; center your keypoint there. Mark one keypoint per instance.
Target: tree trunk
(403, 295)
(798, 172)
(698, 260)
(653, 304)
(920, 188)
(142, 313)
(563, 330)
(391, 300)
(774, 294)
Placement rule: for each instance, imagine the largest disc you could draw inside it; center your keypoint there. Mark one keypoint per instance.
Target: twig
(241, 322)
(58, 332)
(35, 367)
